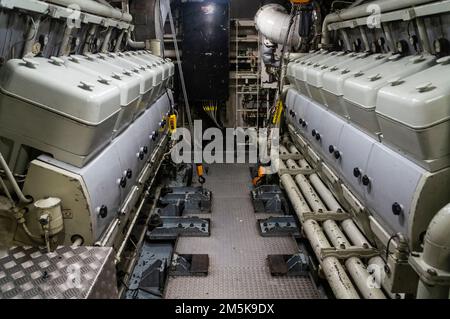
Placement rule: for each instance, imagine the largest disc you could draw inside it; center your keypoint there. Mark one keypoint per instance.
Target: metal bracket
(288, 265)
(172, 227)
(171, 210)
(278, 226)
(269, 199)
(430, 275)
(197, 200)
(189, 265)
(149, 275)
(349, 252)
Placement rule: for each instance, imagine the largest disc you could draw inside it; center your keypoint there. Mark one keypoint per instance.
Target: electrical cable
(180, 71)
(292, 19)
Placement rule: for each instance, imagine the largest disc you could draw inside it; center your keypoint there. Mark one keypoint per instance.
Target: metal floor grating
(238, 265)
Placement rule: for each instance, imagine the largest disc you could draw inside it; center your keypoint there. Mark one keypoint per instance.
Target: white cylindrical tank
(272, 21)
(51, 206)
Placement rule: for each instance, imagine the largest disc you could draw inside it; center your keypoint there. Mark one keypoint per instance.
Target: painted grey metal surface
(314, 74)
(237, 253)
(355, 149)
(393, 184)
(300, 70)
(67, 273)
(108, 74)
(106, 176)
(395, 189)
(361, 90)
(37, 101)
(333, 81)
(414, 113)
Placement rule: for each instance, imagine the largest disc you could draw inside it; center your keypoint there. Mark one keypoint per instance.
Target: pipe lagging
(336, 276)
(363, 11)
(348, 225)
(354, 265)
(94, 7)
(134, 44)
(273, 21)
(13, 181)
(334, 272)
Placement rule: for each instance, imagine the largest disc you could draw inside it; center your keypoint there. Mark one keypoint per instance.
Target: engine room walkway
(237, 253)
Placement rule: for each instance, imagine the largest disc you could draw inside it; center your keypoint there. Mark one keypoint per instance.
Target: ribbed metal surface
(238, 254)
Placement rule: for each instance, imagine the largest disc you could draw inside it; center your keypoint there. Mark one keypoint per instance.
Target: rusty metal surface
(238, 266)
(66, 273)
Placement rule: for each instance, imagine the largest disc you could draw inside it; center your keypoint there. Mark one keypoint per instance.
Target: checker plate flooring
(237, 253)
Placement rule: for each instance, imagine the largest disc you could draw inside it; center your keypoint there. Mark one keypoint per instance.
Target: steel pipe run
(94, 7)
(423, 35)
(30, 36)
(12, 180)
(119, 41)
(134, 44)
(354, 265)
(63, 50)
(105, 44)
(334, 272)
(363, 11)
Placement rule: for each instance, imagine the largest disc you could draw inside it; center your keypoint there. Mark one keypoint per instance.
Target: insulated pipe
(30, 36)
(94, 7)
(380, 265)
(297, 200)
(105, 44)
(336, 276)
(348, 225)
(65, 41)
(436, 254)
(13, 181)
(77, 242)
(364, 39)
(134, 44)
(347, 44)
(363, 11)
(354, 265)
(331, 228)
(334, 272)
(389, 38)
(423, 35)
(119, 41)
(273, 22)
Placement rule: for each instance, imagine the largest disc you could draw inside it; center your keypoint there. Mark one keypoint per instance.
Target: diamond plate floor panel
(238, 265)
